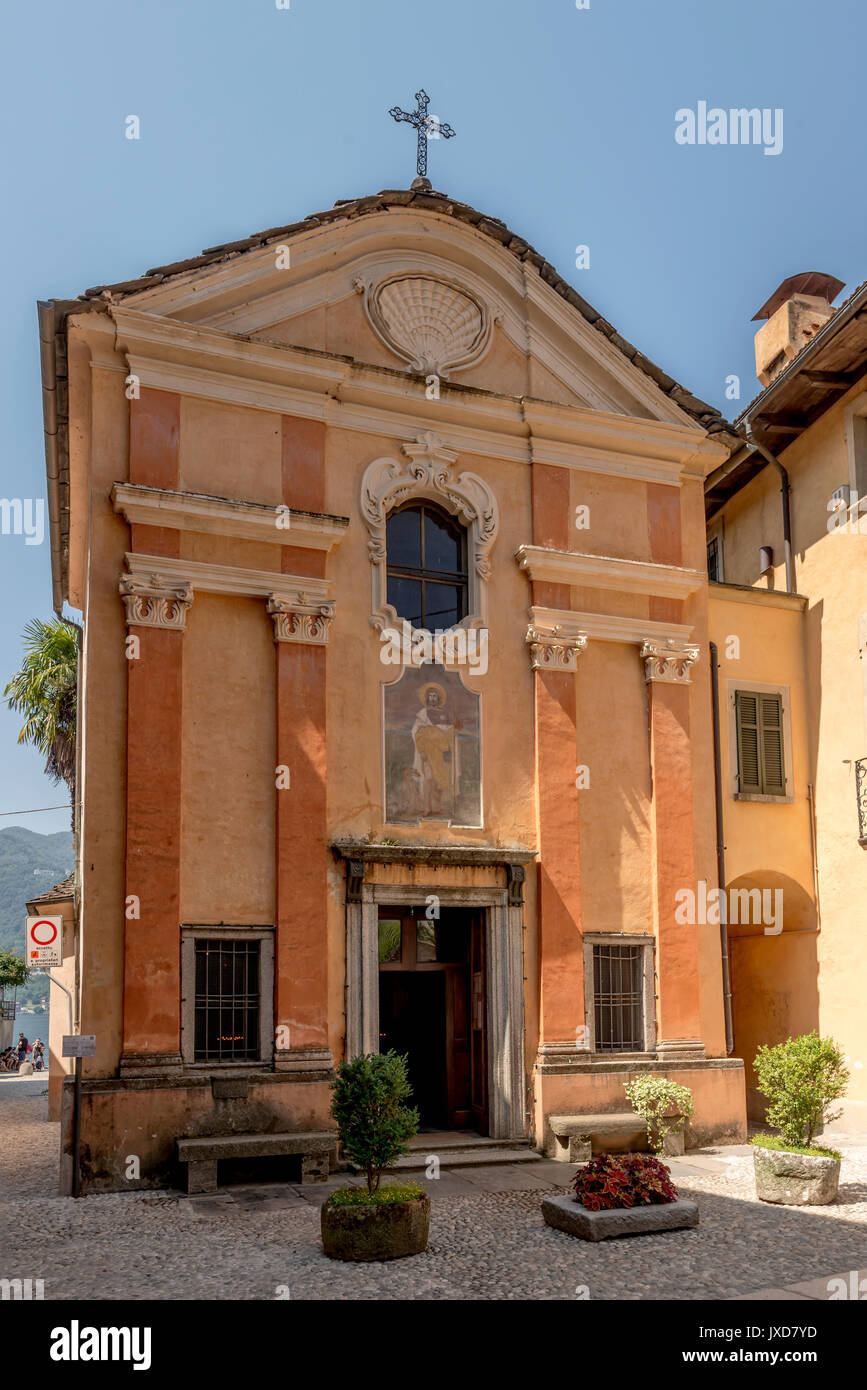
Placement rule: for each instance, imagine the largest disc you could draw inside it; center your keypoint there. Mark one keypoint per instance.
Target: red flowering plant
(629, 1180)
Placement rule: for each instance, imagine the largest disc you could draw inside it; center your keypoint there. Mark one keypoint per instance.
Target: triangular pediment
(422, 290)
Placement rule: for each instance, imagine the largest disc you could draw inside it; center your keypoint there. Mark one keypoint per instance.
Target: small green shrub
(771, 1141)
(651, 1097)
(391, 1192)
(801, 1077)
(373, 1122)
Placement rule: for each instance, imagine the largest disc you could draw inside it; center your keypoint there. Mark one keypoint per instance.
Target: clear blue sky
(252, 116)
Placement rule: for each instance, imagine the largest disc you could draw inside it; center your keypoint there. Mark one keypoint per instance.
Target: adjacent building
(787, 531)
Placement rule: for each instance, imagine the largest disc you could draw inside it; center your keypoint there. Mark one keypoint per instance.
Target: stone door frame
(504, 985)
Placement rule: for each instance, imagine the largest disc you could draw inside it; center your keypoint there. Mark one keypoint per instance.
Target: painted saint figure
(435, 765)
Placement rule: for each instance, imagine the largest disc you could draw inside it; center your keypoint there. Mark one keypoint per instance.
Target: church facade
(396, 719)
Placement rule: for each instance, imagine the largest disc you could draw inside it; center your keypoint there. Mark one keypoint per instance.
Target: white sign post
(79, 1045)
(44, 942)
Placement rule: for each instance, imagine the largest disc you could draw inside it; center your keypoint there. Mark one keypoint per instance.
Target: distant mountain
(30, 863)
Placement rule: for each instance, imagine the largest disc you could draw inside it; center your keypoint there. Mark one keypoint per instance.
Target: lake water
(32, 1026)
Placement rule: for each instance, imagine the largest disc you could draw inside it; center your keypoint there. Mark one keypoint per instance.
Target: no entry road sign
(44, 942)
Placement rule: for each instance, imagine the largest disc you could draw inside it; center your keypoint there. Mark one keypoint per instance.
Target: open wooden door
(478, 1025)
(433, 1009)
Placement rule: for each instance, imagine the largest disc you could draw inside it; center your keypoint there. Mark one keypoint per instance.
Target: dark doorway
(432, 1007)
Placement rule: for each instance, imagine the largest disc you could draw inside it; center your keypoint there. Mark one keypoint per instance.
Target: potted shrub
(801, 1078)
(379, 1222)
(620, 1194)
(666, 1108)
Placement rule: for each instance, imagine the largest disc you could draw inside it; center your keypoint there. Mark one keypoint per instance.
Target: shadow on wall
(774, 975)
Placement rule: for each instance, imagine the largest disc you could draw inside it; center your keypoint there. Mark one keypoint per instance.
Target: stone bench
(318, 1154)
(618, 1132)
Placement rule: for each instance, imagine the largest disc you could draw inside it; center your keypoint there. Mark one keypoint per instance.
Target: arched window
(426, 559)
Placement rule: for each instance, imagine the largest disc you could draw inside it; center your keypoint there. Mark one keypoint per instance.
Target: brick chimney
(794, 312)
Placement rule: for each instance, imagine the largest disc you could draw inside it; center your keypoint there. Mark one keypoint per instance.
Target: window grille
(861, 794)
(618, 998)
(227, 1001)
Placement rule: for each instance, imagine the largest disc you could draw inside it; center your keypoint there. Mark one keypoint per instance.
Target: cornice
(608, 572)
(597, 346)
(368, 853)
(228, 579)
(765, 598)
(604, 627)
(215, 365)
(239, 289)
(658, 441)
(225, 516)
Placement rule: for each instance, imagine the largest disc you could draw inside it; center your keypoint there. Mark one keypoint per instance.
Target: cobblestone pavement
(487, 1240)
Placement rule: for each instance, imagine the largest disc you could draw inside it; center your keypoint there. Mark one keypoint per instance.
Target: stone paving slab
(825, 1289)
(770, 1296)
(485, 1243)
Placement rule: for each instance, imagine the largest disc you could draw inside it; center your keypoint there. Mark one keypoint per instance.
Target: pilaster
(667, 673)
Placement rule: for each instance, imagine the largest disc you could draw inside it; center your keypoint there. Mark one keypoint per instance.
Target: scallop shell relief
(433, 325)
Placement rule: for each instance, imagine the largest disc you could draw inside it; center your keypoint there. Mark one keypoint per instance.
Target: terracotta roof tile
(61, 892)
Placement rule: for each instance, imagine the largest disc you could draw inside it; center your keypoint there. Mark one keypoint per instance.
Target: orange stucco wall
(181, 746)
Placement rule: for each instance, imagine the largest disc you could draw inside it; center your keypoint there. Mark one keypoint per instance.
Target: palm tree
(44, 689)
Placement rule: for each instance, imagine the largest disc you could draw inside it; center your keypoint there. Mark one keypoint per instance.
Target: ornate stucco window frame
(428, 475)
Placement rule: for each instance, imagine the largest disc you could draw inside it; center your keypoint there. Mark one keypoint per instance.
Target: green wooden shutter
(773, 771)
(749, 769)
(761, 764)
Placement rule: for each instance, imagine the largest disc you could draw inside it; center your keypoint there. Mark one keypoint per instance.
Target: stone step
(416, 1161)
(438, 1141)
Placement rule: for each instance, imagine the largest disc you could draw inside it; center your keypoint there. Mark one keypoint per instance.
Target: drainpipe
(720, 848)
(791, 587)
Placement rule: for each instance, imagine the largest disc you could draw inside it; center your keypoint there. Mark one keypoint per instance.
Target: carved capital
(152, 600)
(551, 649)
(301, 617)
(669, 661)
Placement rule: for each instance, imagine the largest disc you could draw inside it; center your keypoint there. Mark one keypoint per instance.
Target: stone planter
(565, 1214)
(795, 1180)
(375, 1231)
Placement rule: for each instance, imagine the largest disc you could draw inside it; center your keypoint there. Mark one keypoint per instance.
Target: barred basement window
(618, 998)
(226, 1001)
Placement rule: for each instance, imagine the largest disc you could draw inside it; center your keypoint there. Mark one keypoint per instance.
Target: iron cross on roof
(428, 127)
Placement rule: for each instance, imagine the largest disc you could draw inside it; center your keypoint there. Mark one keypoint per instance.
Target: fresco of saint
(432, 763)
